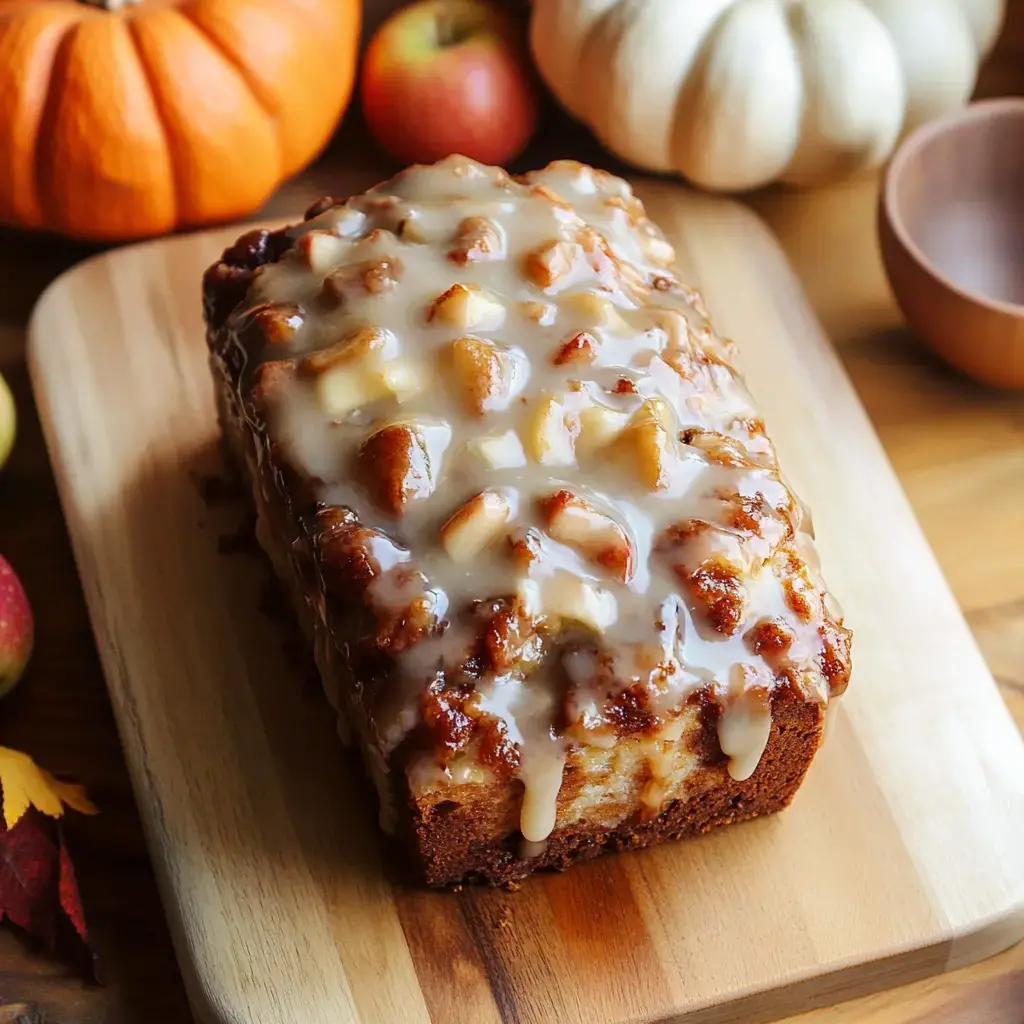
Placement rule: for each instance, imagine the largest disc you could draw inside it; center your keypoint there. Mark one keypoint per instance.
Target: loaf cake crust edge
(450, 840)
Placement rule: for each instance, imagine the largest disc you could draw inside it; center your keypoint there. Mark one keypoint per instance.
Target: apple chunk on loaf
(527, 515)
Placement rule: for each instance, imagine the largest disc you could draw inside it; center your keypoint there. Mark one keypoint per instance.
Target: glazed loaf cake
(555, 585)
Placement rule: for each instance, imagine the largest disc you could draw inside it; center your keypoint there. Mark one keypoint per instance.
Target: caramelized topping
(528, 440)
(769, 636)
(357, 280)
(478, 239)
(466, 307)
(580, 348)
(573, 521)
(552, 262)
(485, 374)
(363, 344)
(395, 464)
(716, 586)
(835, 656)
(476, 525)
(277, 325)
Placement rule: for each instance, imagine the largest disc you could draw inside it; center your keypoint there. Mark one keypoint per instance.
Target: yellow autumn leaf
(26, 785)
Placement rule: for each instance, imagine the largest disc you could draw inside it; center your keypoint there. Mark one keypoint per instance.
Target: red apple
(16, 630)
(449, 76)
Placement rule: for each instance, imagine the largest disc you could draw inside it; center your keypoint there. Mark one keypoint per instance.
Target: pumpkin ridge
(42, 182)
(690, 92)
(797, 26)
(25, 208)
(172, 153)
(255, 88)
(265, 96)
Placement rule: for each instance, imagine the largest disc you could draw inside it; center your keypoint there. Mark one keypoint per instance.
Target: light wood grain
(890, 865)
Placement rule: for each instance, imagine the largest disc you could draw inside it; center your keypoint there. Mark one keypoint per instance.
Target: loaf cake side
(555, 584)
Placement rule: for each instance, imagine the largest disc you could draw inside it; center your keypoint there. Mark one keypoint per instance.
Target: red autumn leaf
(38, 886)
(28, 876)
(70, 900)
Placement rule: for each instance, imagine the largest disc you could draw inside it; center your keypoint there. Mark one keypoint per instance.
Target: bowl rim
(908, 148)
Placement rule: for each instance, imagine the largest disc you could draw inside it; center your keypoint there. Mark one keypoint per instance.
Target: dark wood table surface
(61, 713)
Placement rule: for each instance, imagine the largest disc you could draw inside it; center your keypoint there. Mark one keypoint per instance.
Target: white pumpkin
(734, 94)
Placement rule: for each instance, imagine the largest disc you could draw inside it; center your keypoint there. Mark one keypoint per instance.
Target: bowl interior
(957, 191)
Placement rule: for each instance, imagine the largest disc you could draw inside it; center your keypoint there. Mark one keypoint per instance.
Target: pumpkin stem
(110, 5)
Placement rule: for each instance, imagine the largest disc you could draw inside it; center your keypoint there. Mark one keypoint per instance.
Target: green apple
(8, 421)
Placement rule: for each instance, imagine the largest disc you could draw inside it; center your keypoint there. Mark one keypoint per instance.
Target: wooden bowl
(951, 226)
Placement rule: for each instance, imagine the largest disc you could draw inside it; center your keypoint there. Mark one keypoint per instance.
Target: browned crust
(454, 844)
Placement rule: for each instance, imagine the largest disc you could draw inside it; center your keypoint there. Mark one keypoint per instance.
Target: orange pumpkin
(120, 119)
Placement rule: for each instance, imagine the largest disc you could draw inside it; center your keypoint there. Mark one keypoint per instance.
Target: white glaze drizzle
(640, 330)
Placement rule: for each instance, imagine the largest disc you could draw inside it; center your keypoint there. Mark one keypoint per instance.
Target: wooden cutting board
(901, 856)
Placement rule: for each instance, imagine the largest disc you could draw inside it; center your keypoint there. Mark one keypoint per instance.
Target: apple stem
(450, 30)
